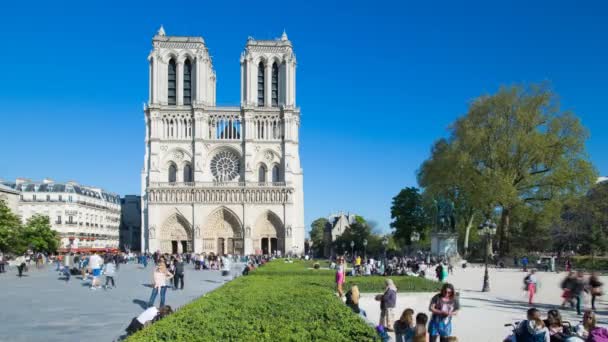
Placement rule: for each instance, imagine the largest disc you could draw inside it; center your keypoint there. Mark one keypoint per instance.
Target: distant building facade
(130, 223)
(336, 225)
(10, 196)
(602, 180)
(85, 217)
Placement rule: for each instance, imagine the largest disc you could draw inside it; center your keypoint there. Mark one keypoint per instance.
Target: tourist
(160, 277)
(1, 262)
(109, 271)
(151, 314)
(568, 265)
(340, 275)
(532, 329)
(95, 263)
(405, 327)
(21, 265)
(420, 331)
(352, 301)
(577, 290)
(388, 300)
(530, 283)
(595, 288)
(443, 307)
(439, 272)
(178, 266)
(567, 286)
(555, 325)
(589, 330)
(524, 263)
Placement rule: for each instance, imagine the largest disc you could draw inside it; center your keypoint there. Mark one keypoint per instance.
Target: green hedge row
(265, 306)
(589, 263)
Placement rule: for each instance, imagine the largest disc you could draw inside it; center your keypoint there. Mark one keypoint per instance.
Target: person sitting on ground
(352, 300)
(555, 325)
(420, 331)
(588, 329)
(150, 315)
(404, 326)
(532, 329)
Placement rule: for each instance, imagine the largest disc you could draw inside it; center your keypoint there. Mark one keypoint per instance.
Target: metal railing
(217, 184)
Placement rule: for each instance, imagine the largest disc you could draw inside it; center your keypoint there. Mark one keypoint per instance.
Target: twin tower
(220, 179)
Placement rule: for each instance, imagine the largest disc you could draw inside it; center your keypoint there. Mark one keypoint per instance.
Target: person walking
(178, 277)
(109, 271)
(1, 262)
(388, 300)
(160, 277)
(524, 263)
(577, 290)
(439, 272)
(530, 283)
(21, 266)
(595, 288)
(443, 307)
(95, 262)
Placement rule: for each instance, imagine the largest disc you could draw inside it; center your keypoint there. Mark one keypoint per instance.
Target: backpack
(526, 279)
(598, 335)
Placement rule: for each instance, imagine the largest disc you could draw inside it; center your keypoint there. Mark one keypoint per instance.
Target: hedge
(588, 263)
(264, 307)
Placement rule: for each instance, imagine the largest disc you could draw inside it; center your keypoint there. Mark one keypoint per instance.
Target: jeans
(578, 303)
(179, 277)
(1, 266)
(110, 278)
(163, 291)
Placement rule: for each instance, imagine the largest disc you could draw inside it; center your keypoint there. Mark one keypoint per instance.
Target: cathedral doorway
(222, 233)
(269, 234)
(176, 235)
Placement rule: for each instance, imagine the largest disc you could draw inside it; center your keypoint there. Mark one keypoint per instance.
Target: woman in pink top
(160, 277)
(340, 275)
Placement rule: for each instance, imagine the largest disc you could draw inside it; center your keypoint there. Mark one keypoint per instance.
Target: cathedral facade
(220, 179)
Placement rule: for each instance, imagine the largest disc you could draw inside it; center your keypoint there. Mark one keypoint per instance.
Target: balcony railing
(216, 184)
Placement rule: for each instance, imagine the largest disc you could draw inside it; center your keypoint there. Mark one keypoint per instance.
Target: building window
(58, 219)
(275, 174)
(60, 198)
(70, 198)
(261, 84)
(187, 82)
(70, 219)
(172, 173)
(34, 197)
(262, 174)
(275, 85)
(48, 198)
(171, 89)
(187, 173)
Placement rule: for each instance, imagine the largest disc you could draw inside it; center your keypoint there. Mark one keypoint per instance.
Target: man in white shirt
(95, 262)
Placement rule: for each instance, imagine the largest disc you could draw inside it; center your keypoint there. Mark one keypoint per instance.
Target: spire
(284, 36)
(161, 31)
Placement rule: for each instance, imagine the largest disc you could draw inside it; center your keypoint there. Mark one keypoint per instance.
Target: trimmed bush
(590, 264)
(264, 306)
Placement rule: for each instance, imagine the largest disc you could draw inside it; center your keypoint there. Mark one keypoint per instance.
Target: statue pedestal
(444, 244)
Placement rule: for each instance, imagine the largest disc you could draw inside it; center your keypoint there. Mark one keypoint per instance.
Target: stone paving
(41, 307)
(483, 314)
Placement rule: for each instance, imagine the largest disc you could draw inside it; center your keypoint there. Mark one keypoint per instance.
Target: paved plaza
(482, 315)
(41, 307)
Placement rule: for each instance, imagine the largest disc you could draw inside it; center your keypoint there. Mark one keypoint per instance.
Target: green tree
(521, 143)
(38, 235)
(408, 214)
(9, 226)
(317, 232)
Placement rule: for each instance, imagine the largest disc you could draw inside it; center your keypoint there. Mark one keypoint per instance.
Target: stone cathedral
(221, 179)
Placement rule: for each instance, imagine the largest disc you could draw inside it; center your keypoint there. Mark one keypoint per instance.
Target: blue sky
(378, 82)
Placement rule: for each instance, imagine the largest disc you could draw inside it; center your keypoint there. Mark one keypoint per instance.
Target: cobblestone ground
(42, 307)
(483, 314)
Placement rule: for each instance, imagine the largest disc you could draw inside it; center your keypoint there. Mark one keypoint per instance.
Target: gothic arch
(268, 233)
(222, 233)
(175, 229)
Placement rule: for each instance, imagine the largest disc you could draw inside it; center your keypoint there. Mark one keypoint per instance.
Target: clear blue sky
(378, 82)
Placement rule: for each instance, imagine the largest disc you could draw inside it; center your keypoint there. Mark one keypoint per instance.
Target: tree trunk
(466, 235)
(503, 237)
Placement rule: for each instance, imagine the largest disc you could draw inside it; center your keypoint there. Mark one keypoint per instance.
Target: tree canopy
(36, 234)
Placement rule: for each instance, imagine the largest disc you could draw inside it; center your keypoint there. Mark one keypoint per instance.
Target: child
(420, 332)
(108, 271)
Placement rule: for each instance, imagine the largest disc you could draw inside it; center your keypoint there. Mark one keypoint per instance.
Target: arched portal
(269, 234)
(223, 233)
(176, 235)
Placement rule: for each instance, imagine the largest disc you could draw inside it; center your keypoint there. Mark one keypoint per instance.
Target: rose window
(225, 166)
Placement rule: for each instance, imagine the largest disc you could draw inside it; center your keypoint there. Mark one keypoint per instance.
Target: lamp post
(385, 244)
(414, 238)
(486, 230)
(365, 249)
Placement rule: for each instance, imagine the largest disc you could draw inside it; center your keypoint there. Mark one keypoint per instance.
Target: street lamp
(352, 249)
(414, 238)
(486, 230)
(385, 244)
(365, 249)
